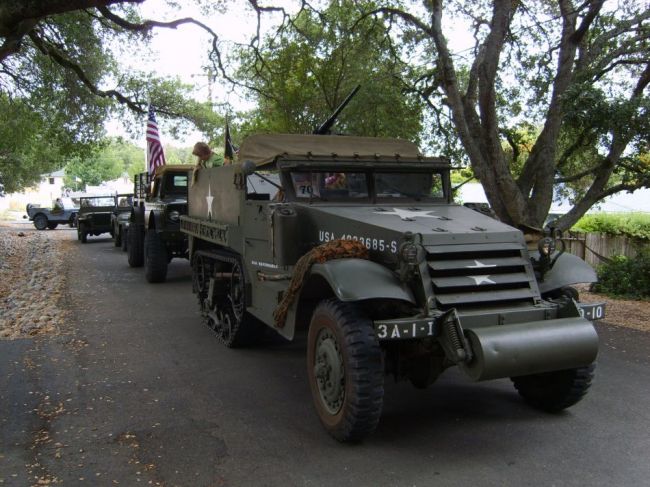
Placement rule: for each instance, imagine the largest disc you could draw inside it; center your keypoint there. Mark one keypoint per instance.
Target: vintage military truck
(357, 240)
(120, 218)
(94, 217)
(154, 235)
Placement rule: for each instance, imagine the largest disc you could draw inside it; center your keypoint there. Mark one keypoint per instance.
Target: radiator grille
(467, 276)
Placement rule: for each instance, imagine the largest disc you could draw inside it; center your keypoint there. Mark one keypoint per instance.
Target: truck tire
(40, 222)
(82, 234)
(345, 370)
(155, 257)
(117, 237)
(135, 247)
(554, 391)
(52, 225)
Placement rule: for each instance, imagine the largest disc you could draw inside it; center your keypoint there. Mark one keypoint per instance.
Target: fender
(569, 269)
(155, 220)
(349, 280)
(359, 279)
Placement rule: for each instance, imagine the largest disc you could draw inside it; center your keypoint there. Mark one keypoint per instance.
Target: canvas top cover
(262, 149)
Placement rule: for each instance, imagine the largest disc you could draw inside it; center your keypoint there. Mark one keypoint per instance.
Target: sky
(182, 52)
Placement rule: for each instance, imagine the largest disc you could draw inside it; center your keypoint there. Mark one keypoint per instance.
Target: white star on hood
(407, 214)
(478, 265)
(209, 199)
(482, 279)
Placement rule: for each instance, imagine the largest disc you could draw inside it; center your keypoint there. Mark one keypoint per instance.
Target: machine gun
(325, 128)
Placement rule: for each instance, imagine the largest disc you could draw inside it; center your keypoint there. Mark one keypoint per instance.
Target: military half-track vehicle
(94, 217)
(357, 241)
(120, 219)
(154, 236)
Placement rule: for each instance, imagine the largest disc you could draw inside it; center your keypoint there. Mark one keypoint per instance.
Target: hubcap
(329, 371)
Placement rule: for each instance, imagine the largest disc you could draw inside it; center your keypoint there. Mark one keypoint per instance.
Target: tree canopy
(551, 98)
(298, 79)
(60, 81)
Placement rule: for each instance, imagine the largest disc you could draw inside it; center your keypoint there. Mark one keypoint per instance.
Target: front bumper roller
(491, 352)
(530, 348)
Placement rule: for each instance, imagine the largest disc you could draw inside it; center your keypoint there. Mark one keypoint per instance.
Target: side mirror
(248, 167)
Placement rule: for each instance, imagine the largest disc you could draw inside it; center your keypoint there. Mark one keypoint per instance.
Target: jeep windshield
(97, 201)
(367, 186)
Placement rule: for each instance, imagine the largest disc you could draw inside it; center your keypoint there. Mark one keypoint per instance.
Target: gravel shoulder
(32, 279)
(620, 312)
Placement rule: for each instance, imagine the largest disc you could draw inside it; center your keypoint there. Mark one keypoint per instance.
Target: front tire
(40, 222)
(554, 391)
(82, 234)
(117, 237)
(345, 370)
(155, 257)
(135, 247)
(125, 239)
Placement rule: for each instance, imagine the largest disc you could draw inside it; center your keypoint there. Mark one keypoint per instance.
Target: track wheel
(225, 312)
(555, 391)
(135, 248)
(345, 370)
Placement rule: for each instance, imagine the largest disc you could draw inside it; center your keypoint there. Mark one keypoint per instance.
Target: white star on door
(209, 199)
(478, 265)
(482, 279)
(407, 214)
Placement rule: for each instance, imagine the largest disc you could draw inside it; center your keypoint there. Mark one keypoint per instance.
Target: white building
(44, 193)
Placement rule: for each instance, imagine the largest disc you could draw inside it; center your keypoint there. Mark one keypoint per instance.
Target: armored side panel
(216, 194)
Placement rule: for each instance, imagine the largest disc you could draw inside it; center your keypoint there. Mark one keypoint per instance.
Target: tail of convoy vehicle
(154, 237)
(357, 241)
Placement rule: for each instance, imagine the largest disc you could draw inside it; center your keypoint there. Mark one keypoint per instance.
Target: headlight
(409, 253)
(546, 246)
(174, 216)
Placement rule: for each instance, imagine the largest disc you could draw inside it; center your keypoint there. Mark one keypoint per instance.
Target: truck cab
(154, 236)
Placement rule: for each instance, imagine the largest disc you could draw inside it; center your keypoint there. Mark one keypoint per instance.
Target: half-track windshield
(367, 185)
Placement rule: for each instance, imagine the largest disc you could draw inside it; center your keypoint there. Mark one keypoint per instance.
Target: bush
(636, 225)
(626, 277)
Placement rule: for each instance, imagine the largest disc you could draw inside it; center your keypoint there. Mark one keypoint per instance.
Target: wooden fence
(599, 248)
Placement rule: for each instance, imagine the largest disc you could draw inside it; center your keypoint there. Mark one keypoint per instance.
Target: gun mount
(325, 128)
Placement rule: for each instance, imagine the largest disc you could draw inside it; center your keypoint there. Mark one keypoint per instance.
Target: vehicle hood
(437, 224)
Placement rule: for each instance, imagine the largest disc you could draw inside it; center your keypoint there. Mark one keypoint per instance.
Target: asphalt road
(139, 392)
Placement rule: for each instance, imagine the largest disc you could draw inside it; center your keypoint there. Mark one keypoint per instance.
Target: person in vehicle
(205, 158)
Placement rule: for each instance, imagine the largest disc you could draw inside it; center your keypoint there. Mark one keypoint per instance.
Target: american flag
(155, 154)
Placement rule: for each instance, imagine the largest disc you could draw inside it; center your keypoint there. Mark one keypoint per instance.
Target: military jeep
(154, 236)
(94, 216)
(357, 241)
(51, 217)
